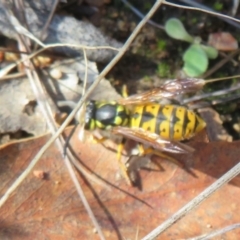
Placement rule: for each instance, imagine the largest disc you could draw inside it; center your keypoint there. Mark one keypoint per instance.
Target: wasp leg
(124, 91)
(145, 151)
(122, 166)
(96, 140)
(120, 149)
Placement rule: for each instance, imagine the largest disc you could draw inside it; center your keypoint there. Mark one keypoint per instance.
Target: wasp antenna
(221, 79)
(183, 85)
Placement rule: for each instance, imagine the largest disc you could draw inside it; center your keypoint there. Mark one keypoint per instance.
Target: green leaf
(211, 52)
(195, 61)
(175, 29)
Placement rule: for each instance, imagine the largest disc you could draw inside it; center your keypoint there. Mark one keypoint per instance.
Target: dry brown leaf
(215, 130)
(223, 41)
(51, 209)
(19, 110)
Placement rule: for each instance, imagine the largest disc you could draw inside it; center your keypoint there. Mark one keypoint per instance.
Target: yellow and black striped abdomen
(171, 122)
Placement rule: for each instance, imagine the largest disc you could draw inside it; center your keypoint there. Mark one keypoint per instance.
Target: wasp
(143, 119)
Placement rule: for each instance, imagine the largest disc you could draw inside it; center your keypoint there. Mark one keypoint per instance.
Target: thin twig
(201, 10)
(70, 169)
(138, 13)
(86, 72)
(8, 68)
(225, 100)
(216, 232)
(201, 6)
(221, 79)
(80, 103)
(50, 16)
(48, 115)
(13, 76)
(221, 63)
(194, 203)
(213, 94)
(83, 197)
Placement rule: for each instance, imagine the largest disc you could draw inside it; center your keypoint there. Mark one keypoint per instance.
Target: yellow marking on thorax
(121, 120)
(99, 124)
(118, 120)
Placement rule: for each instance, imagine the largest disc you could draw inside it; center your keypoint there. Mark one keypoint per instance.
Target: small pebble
(56, 73)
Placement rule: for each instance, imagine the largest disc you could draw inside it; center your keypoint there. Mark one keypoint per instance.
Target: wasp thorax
(105, 115)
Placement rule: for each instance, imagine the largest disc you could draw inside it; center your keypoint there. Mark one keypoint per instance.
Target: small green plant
(218, 6)
(147, 78)
(161, 44)
(147, 6)
(163, 70)
(196, 57)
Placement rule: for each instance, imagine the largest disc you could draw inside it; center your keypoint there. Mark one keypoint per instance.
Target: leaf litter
(117, 226)
(19, 110)
(52, 204)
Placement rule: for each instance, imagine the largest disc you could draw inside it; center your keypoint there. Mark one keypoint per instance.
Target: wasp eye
(89, 115)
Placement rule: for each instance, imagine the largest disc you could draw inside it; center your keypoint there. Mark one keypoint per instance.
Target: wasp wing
(171, 89)
(153, 140)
